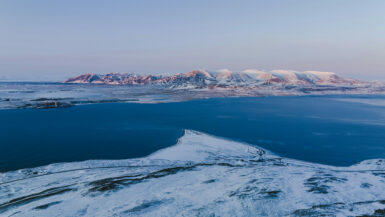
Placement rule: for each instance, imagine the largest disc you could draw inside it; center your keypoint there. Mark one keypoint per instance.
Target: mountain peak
(202, 78)
(195, 73)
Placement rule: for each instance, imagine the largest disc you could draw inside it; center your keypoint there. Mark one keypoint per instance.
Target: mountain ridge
(224, 77)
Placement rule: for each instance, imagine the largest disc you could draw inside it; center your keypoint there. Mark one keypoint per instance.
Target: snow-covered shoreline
(56, 95)
(201, 175)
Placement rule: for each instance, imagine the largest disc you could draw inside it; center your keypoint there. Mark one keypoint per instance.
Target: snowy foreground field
(200, 176)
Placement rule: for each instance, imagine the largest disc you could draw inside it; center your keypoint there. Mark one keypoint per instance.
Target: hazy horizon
(51, 41)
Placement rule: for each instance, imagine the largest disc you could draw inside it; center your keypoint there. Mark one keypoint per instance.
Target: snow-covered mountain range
(197, 84)
(221, 78)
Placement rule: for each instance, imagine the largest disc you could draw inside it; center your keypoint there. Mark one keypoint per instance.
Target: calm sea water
(317, 129)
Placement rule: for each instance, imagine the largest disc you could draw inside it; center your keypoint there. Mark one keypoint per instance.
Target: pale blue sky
(51, 40)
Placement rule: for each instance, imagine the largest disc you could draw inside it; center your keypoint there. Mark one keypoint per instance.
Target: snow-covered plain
(53, 95)
(201, 175)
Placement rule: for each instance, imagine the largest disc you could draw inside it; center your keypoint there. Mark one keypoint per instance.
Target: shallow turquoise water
(317, 129)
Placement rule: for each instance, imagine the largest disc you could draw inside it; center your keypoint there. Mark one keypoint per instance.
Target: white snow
(202, 175)
(321, 75)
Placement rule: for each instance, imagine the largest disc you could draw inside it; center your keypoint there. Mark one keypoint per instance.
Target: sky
(53, 40)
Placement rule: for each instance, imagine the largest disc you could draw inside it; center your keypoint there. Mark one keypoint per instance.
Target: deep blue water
(316, 129)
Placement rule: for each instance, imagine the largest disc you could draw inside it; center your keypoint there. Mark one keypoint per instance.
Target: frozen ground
(42, 95)
(53, 95)
(200, 176)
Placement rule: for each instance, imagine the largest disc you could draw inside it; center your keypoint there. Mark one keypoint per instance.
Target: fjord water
(331, 130)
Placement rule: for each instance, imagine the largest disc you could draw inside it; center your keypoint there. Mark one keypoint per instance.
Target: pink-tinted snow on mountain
(202, 78)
